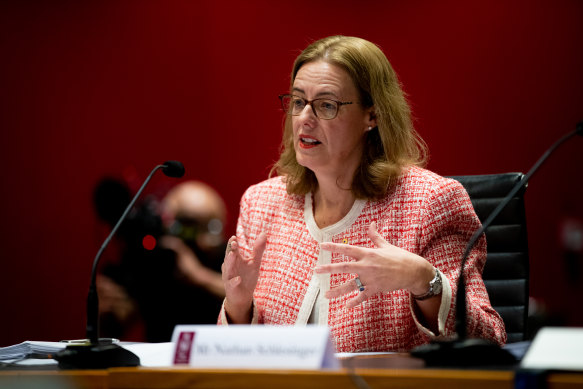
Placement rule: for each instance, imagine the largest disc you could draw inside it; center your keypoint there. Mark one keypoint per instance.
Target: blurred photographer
(194, 216)
(169, 267)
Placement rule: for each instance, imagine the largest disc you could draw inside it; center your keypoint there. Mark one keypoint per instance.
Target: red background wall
(97, 88)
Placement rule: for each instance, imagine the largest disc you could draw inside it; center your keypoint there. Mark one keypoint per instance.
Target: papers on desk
(31, 353)
(30, 349)
(152, 354)
(555, 349)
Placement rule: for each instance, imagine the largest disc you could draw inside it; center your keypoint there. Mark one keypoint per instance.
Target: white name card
(254, 346)
(555, 348)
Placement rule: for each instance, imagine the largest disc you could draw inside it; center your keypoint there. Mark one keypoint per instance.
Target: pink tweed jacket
(426, 214)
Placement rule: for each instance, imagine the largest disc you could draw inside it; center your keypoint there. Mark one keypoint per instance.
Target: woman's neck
(331, 202)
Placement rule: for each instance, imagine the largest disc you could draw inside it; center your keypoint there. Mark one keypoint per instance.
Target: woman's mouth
(307, 142)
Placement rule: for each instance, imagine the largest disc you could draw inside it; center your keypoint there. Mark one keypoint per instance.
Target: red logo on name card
(183, 348)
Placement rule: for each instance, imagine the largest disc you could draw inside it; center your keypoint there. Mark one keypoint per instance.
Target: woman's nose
(308, 112)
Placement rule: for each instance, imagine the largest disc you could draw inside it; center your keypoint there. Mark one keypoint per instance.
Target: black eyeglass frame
(309, 102)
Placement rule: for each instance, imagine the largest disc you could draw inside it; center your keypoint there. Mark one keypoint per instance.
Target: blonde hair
(389, 147)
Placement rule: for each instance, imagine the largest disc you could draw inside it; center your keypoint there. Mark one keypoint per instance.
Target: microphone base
(463, 353)
(95, 356)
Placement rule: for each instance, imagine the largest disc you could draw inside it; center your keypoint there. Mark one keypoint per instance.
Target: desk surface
(377, 372)
(374, 378)
(82, 379)
(184, 378)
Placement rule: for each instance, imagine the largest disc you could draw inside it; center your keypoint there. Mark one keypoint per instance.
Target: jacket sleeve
(448, 222)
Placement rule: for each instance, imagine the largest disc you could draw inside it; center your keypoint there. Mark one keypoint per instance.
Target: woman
(353, 233)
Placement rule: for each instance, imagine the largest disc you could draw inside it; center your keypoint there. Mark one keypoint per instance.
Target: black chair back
(506, 272)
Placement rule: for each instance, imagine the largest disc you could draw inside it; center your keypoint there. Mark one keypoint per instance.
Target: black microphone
(478, 352)
(173, 169)
(97, 353)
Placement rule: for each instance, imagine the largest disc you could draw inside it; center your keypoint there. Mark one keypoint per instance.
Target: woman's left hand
(383, 268)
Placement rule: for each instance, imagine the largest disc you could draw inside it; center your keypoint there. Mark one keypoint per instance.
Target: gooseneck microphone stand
(98, 353)
(465, 351)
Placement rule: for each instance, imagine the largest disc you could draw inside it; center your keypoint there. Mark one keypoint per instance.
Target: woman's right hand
(240, 277)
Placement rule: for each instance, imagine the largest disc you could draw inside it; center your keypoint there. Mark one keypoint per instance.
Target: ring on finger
(359, 284)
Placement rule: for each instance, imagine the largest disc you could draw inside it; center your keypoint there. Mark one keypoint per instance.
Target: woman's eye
(298, 103)
(327, 105)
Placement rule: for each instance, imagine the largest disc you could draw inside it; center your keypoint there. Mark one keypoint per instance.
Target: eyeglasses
(323, 108)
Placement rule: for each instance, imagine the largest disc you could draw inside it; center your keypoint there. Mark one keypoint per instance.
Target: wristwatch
(435, 287)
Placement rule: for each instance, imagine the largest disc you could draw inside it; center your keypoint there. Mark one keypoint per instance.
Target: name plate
(254, 346)
(555, 348)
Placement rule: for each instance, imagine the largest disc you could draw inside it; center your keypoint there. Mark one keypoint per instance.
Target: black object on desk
(479, 352)
(98, 354)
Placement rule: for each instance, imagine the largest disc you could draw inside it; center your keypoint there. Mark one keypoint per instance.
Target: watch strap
(433, 289)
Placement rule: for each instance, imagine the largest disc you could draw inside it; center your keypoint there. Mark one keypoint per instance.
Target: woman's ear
(372, 119)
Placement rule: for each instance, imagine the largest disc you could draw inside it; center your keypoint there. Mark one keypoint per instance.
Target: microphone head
(173, 169)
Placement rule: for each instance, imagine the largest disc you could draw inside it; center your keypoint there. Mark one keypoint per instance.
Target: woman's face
(329, 147)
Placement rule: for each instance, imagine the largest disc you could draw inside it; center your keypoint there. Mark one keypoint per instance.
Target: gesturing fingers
(229, 266)
(342, 267)
(355, 251)
(359, 299)
(240, 270)
(341, 290)
(344, 249)
(349, 287)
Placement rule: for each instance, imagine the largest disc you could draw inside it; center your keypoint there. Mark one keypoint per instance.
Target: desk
(183, 378)
(27, 379)
(175, 378)
(389, 371)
